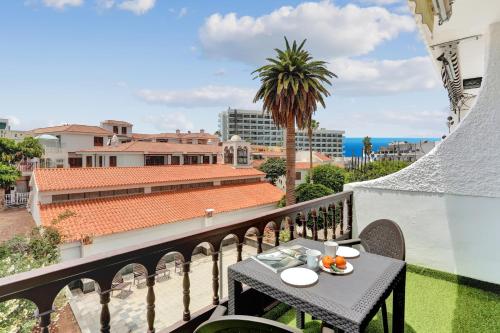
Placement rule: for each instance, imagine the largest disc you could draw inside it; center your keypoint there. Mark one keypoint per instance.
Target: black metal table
(347, 302)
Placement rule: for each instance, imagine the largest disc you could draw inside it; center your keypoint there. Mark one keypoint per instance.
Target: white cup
(313, 257)
(331, 248)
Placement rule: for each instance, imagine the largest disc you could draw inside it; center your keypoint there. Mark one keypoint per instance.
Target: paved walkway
(14, 221)
(128, 309)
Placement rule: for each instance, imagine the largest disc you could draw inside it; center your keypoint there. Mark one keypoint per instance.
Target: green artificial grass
(435, 302)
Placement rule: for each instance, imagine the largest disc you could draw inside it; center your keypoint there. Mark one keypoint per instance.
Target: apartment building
(7, 132)
(404, 151)
(258, 128)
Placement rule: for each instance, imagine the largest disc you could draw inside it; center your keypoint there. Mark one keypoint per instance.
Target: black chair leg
(384, 318)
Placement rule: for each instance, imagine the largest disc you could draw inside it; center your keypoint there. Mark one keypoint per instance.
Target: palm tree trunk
(290, 161)
(310, 134)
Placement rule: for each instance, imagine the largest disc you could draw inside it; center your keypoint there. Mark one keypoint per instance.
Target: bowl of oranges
(335, 265)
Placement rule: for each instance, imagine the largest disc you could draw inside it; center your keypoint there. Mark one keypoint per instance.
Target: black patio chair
(385, 238)
(219, 323)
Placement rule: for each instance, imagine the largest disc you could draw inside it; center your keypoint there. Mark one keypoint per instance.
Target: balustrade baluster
(239, 249)
(185, 291)
(334, 221)
(259, 244)
(150, 299)
(349, 216)
(215, 278)
(277, 236)
(324, 212)
(105, 316)
(314, 218)
(303, 219)
(341, 208)
(45, 321)
(291, 227)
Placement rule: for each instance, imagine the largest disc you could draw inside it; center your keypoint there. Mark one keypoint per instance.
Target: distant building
(258, 128)
(7, 132)
(404, 151)
(122, 129)
(178, 137)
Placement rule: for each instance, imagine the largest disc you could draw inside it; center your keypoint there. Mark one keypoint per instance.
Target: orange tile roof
(116, 122)
(95, 178)
(73, 128)
(322, 156)
(198, 135)
(304, 165)
(157, 148)
(106, 216)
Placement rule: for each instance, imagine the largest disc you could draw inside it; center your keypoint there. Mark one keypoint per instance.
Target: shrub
(328, 175)
(375, 170)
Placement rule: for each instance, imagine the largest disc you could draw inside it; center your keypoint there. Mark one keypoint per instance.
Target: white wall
(139, 236)
(130, 160)
(451, 233)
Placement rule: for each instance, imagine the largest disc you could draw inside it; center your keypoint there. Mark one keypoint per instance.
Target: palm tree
(292, 84)
(311, 126)
(367, 145)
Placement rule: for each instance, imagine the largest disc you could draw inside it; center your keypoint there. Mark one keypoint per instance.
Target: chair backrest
(244, 324)
(385, 238)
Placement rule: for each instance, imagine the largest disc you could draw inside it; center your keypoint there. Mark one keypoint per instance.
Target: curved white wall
(448, 202)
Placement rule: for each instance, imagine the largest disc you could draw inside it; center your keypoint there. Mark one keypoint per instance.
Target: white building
(62, 142)
(404, 151)
(447, 202)
(258, 128)
(7, 132)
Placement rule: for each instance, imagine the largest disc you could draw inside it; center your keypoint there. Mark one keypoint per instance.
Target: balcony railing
(41, 286)
(27, 166)
(17, 199)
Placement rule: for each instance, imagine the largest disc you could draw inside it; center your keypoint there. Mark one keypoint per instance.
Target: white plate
(347, 252)
(299, 277)
(348, 269)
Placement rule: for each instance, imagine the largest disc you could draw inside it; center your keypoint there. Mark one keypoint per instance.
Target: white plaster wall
(452, 233)
(130, 160)
(448, 202)
(134, 237)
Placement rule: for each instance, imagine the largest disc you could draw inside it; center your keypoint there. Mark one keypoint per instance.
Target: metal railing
(17, 199)
(41, 286)
(27, 166)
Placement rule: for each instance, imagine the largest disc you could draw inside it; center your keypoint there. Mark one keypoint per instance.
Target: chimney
(177, 131)
(202, 131)
(209, 213)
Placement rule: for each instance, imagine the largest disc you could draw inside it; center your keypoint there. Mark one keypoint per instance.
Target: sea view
(354, 146)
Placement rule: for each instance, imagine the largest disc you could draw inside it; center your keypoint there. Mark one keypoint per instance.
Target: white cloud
(380, 2)
(138, 7)
(357, 77)
(332, 31)
(183, 12)
(169, 122)
(61, 4)
(105, 4)
(207, 96)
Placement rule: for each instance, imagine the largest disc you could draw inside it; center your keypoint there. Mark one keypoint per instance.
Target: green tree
(8, 175)
(328, 175)
(30, 148)
(292, 84)
(8, 150)
(375, 170)
(312, 125)
(273, 167)
(367, 145)
(24, 253)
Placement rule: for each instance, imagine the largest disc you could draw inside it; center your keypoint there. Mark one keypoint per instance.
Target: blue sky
(170, 64)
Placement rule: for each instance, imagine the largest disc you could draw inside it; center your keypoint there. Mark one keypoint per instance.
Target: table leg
(235, 290)
(299, 319)
(398, 304)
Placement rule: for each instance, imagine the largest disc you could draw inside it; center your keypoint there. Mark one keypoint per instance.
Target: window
(176, 160)
(112, 161)
(242, 155)
(124, 130)
(214, 159)
(228, 155)
(298, 175)
(98, 141)
(115, 129)
(155, 160)
(191, 159)
(206, 159)
(100, 161)
(75, 162)
(88, 161)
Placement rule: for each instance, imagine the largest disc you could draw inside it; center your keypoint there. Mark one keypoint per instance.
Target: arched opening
(201, 276)
(228, 155)
(242, 154)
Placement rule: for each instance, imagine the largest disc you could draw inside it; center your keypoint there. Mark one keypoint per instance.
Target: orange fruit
(327, 261)
(340, 262)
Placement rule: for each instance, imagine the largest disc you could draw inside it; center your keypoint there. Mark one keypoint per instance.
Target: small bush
(328, 175)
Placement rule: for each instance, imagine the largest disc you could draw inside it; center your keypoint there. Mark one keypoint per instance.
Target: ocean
(354, 146)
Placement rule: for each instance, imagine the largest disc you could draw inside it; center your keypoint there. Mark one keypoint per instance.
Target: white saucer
(348, 269)
(299, 276)
(347, 252)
